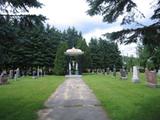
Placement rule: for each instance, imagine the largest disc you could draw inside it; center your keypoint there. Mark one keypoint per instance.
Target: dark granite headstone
(123, 74)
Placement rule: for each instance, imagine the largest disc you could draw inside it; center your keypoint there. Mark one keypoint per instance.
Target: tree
(71, 35)
(147, 53)
(85, 58)
(112, 9)
(93, 46)
(13, 24)
(60, 63)
(104, 54)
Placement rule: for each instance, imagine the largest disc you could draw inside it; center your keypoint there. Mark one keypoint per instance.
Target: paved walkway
(73, 100)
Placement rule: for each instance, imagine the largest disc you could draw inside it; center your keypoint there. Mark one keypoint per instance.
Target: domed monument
(74, 62)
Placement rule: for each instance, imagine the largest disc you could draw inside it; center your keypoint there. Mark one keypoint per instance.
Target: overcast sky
(72, 13)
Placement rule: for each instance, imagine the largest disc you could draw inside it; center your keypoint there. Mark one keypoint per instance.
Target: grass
(124, 100)
(21, 99)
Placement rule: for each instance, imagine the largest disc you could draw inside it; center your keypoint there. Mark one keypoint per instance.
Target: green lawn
(124, 100)
(21, 99)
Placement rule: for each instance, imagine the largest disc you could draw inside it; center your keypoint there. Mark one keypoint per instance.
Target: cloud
(98, 32)
(128, 50)
(72, 13)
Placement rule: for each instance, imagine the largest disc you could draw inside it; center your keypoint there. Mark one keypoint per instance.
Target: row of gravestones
(103, 71)
(12, 74)
(15, 74)
(150, 75)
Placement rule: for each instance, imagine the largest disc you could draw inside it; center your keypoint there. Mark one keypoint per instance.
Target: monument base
(124, 78)
(73, 76)
(135, 80)
(153, 85)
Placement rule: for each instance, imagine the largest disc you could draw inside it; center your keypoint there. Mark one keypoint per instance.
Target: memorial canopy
(74, 52)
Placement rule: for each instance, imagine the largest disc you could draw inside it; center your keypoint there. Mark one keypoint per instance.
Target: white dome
(74, 52)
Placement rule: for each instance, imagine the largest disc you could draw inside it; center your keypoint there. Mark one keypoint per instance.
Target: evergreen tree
(71, 35)
(12, 26)
(93, 45)
(60, 63)
(111, 10)
(104, 54)
(85, 58)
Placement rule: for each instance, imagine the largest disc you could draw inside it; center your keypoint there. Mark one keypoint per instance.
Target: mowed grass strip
(124, 100)
(21, 99)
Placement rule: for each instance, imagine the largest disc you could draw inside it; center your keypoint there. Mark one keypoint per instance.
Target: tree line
(147, 35)
(28, 43)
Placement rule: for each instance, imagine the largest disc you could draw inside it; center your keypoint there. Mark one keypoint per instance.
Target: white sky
(72, 13)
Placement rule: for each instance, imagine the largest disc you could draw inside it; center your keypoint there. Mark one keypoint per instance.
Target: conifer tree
(60, 62)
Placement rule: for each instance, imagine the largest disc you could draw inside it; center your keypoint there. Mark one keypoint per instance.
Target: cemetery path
(73, 100)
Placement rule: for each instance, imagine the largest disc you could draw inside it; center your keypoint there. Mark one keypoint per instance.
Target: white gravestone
(17, 74)
(135, 77)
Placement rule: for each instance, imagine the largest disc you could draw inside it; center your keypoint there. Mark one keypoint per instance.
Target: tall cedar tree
(85, 58)
(12, 22)
(104, 54)
(60, 63)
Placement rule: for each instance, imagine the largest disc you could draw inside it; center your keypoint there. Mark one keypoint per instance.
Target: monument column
(70, 70)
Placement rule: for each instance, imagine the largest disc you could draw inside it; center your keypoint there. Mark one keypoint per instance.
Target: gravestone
(38, 71)
(135, 77)
(11, 74)
(34, 75)
(108, 71)
(41, 72)
(123, 74)
(103, 71)
(114, 71)
(151, 78)
(3, 78)
(158, 73)
(17, 74)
